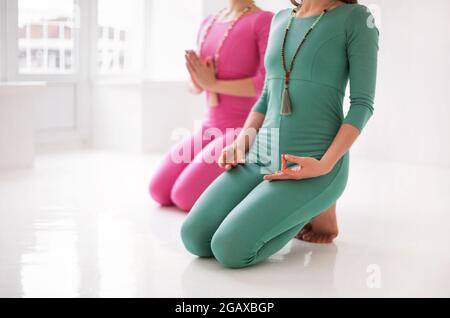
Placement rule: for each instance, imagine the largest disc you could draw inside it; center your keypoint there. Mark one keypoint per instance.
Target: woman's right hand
(231, 157)
(195, 88)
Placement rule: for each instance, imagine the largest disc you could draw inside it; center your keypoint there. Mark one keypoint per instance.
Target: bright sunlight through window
(46, 36)
(120, 36)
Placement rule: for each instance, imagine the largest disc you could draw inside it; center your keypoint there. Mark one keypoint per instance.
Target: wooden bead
(228, 31)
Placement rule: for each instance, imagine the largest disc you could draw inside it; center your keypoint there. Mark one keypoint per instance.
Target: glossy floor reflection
(81, 225)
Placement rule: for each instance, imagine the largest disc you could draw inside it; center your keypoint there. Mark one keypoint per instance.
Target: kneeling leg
(215, 204)
(271, 215)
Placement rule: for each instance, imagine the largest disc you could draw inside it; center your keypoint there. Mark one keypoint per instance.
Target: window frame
(80, 80)
(12, 47)
(3, 40)
(121, 77)
(85, 50)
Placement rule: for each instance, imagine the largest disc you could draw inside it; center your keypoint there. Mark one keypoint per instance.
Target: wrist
(240, 144)
(213, 86)
(327, 164)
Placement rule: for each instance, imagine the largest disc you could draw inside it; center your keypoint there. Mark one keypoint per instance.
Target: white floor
(82, 224)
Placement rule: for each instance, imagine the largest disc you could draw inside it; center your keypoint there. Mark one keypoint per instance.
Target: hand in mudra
(203, 74)
(306, 168)
(231, 157)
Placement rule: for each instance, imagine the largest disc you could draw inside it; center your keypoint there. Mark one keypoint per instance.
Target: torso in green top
(343, 46)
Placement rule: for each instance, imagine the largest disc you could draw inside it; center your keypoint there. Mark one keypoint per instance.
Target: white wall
(411, 122)
(141, 116)
(2, 42)
(117, 116)
(17, 104)
(168, 106)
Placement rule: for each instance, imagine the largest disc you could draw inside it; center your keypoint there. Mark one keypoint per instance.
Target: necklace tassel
(286, 108)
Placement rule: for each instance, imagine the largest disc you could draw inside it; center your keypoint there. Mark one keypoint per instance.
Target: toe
(317, 238)
(307, 236)
(325, 239)
(321, 239)
(302, 233)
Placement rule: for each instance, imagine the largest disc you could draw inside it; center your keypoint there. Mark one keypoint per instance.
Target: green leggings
(241, 219)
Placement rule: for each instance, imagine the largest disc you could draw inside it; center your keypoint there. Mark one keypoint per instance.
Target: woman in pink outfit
(229, 68)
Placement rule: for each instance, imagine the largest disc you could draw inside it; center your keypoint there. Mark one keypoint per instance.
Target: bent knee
(195, 240)
(227, 252)
(159, 193)
(182, 196)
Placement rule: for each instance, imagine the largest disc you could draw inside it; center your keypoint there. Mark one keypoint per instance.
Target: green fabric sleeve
(362, 52)
(261, 105)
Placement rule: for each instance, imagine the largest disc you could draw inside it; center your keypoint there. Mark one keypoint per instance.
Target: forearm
(241, 87)
(248, 133)
(341, 144)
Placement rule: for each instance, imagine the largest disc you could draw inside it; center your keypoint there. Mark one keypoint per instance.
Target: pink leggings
(181, 184)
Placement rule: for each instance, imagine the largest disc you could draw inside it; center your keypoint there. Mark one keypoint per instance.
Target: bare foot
(323, 229)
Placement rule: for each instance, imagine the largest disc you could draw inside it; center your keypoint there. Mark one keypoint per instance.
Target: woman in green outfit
(262, 202)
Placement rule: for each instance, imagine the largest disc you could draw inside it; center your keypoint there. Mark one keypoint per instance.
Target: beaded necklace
(286, 108)
(227, 33)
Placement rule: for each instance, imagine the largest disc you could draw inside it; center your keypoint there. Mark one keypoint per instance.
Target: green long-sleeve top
(342, 48)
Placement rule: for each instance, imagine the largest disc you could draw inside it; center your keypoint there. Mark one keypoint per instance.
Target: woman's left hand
(203, 73)
(306, 168)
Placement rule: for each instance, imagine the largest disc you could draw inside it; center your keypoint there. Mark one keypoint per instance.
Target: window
(120, 36)
(46, 36)
(49, 41)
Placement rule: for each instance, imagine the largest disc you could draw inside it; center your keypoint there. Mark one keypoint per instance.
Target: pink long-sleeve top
(241, 56)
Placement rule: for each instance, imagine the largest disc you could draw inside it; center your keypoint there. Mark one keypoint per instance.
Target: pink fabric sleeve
(261, 29)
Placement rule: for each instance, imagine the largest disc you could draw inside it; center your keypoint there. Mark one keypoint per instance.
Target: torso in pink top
(241, 56)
